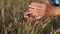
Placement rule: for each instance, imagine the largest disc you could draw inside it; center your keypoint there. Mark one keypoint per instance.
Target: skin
(41, 10)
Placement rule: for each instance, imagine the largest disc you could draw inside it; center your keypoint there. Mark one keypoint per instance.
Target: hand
(36, 9)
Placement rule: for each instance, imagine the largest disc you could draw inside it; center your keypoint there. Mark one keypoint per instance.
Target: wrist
(57, 11)
(50, 12)
(54, 11)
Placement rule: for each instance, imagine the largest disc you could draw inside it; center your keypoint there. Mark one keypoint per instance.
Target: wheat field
(13, 22)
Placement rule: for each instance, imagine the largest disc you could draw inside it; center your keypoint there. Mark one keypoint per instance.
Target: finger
(34, 7)
(37, 12)
(28, 13)
(39, 17)
(33, 10)
(30, 18)
(37, 4)
(26, 16)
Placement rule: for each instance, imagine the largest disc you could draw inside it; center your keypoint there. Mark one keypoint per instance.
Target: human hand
(37, 10)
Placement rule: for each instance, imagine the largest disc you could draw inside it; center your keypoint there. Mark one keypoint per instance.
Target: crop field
(13, 22)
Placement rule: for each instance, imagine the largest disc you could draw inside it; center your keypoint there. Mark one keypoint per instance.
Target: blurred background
(13, 22)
